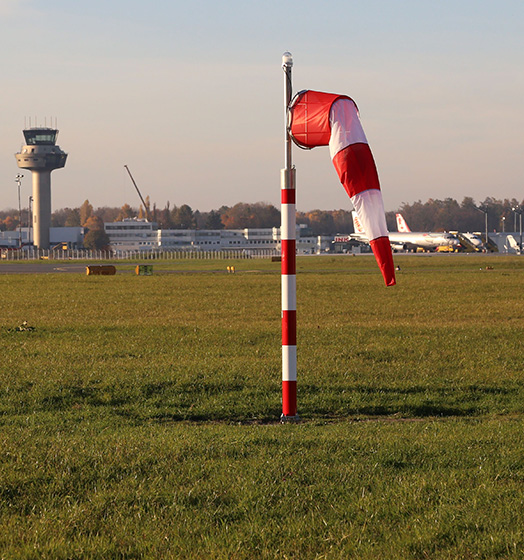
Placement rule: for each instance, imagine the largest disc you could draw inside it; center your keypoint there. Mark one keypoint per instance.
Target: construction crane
(146, 210)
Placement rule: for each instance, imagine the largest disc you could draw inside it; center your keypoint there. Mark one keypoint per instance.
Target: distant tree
(200, 219)
(10, 223)
(96, 239)
(73, 218)
(449, 215)
(108, 214)
(125, 212)
(343, 221)
(301, 218)
(163, 217)
(85, 211)
(197, 218)
(183, 217)
(237, 216)
(58, 217)
(321, 222)
(94, 223)
(258, 215)
(154, 213)
(268, 215)
(213, 220)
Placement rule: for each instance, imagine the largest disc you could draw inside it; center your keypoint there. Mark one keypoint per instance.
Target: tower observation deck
(41, 155)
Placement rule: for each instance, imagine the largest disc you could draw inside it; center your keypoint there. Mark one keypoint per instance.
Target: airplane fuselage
(414, 240)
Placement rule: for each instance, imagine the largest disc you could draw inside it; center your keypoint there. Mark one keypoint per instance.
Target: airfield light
(287, 60)
(518, 210)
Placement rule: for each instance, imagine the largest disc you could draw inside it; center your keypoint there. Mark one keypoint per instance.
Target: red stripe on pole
(288, 256)
(289, 328)
(288, 196)
(289, 398)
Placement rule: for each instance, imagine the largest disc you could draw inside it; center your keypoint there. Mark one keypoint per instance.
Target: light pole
(484, 210)
(518, 210)
(29, 220)
(18, 181)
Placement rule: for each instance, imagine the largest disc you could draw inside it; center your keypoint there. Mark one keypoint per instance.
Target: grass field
(139, 415)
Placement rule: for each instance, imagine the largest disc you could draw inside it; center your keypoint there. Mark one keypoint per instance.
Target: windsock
(328, 119)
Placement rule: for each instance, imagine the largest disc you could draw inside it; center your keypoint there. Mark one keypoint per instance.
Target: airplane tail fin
(402, 227)
(357, 224)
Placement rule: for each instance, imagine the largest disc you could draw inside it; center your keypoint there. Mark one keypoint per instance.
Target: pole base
(289, 419)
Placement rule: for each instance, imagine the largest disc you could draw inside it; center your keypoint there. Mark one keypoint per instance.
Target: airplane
(406, 240)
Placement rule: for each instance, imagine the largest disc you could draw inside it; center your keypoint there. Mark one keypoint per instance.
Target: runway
(40, 267)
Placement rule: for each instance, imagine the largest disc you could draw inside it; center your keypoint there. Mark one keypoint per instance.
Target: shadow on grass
(74, 395)
(192, 388)
(245, 403)
(411, 401)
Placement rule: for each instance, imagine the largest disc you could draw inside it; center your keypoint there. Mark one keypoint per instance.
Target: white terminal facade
(134, 234)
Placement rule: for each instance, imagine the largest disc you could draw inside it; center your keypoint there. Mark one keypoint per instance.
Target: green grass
(139, 419)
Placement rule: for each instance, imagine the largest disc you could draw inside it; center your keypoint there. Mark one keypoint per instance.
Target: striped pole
(288, 251)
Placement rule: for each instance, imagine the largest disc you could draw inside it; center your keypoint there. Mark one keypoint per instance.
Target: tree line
(432, 215)
(449, 215)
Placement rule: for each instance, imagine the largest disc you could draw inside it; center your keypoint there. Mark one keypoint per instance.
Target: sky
(190, 95)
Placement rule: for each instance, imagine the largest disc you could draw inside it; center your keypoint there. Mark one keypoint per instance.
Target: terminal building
(135, 234)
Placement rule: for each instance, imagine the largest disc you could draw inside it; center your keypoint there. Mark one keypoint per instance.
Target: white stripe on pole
(289, 292)
(287, 230)
(289, 363)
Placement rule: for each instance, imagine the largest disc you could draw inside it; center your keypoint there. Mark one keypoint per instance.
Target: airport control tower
(41, 155)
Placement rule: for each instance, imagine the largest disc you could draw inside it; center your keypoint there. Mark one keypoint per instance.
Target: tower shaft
(41, 208)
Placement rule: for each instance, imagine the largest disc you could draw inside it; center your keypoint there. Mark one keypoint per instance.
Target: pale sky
(190, 96)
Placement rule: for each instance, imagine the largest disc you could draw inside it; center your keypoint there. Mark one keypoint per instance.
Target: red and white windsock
(327, 119)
